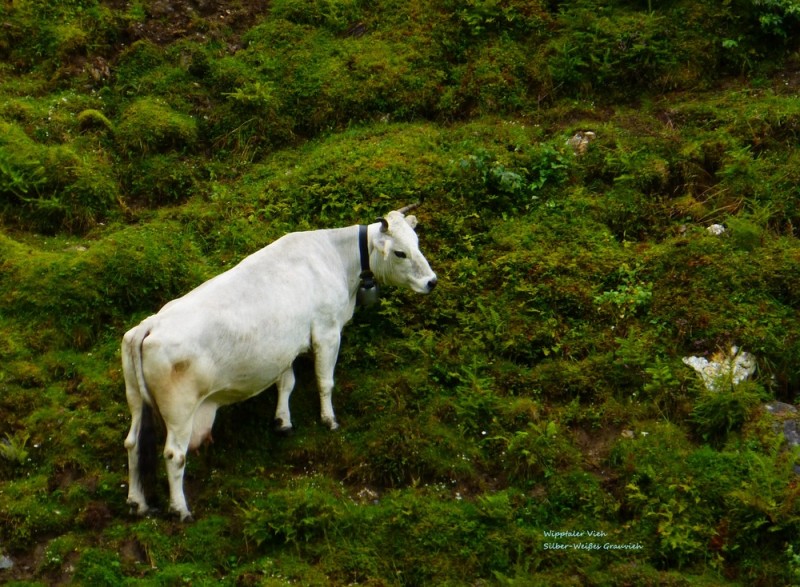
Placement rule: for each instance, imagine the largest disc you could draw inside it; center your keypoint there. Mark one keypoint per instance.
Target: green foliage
(145, 268)
(51, 188)
(481, 17)
(160, 179)
(47, 35)
(539, 388)
(776, 17)
(12, 449)
(336, 15)
(94, 119)
(304, 514)
(511, 189)
(665, 389)
(403, 534)
(717, 413)
(633, 295)
(539, 451)
(611, 55)
(150, 125)
(99, 567)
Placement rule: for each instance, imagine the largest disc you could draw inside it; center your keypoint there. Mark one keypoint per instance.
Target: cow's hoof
(184, 517)
(137, 509)
(280, 429)
(334, 425)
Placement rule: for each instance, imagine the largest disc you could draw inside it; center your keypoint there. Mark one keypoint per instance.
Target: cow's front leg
(175, 451)
(326, 351)
(283, 418)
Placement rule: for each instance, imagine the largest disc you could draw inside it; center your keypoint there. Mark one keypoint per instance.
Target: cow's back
(236, 333)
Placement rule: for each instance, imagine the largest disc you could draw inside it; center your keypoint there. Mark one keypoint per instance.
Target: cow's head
(396, 258)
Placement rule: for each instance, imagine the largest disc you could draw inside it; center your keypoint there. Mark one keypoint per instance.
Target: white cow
(237, 334)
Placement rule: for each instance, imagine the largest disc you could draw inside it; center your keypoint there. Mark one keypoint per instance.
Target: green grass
(540, 389)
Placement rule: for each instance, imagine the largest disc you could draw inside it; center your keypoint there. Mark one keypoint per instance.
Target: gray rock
(787, 421)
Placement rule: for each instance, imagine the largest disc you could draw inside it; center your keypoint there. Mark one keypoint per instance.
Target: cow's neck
(346, 243)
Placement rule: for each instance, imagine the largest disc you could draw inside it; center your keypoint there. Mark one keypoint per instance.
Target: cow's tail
(147, 446)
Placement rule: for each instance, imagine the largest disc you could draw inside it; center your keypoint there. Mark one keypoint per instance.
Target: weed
(13, 450)
(717, 413)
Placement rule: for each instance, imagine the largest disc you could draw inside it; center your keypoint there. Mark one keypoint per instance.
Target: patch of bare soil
(596, 446)
(170, 20)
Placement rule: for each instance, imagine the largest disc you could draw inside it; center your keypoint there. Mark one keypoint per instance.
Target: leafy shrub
(538, 452)
(776, 18)
(717, 413)
(483, 17)
(305, 513)
(539, 169)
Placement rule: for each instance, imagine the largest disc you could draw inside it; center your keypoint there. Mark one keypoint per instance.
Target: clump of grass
(151, 125)
(91, 119)
(12, 449)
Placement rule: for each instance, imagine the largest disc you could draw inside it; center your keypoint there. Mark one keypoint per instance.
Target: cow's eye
(400, 254)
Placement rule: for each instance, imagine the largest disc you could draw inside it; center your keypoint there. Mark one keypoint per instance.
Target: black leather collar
(368, 289)
(363, 249)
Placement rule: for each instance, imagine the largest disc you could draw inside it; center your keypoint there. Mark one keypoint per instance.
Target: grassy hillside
(532, 421)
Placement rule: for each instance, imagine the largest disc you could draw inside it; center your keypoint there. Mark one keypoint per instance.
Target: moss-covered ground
(531, 422)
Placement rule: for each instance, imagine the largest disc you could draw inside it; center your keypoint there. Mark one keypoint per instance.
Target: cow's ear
(383, 244)
(384, 224)
(412, 221)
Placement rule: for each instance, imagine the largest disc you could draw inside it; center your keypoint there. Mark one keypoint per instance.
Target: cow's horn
(409, 208)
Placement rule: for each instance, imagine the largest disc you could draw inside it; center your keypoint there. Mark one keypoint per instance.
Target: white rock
(723, 368)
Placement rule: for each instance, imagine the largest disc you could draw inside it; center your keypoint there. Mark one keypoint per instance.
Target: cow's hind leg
(136, 496)
(140, 442)
(283, 418)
